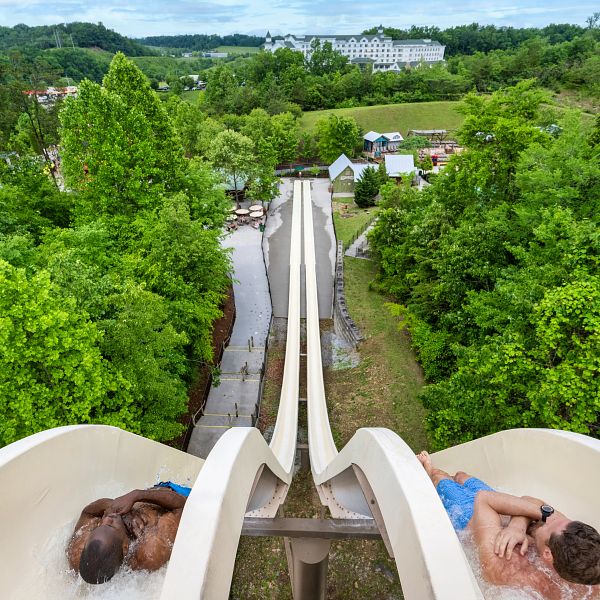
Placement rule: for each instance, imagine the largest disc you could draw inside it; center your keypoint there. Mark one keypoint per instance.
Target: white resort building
(380, 50)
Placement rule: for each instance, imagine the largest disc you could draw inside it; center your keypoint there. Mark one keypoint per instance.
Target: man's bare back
(143, 523)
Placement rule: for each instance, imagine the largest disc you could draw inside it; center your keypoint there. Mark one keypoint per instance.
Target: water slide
(47, 478)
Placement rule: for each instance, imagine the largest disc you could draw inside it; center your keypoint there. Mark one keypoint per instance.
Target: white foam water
(60, 582)
(502, 592)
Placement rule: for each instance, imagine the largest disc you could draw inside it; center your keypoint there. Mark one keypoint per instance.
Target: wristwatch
(547, 511)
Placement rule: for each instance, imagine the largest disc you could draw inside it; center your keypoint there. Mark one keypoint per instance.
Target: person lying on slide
(569, 548)
(137, 529)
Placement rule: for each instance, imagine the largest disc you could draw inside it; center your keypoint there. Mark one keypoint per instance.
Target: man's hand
(123, 504)
(507, 539)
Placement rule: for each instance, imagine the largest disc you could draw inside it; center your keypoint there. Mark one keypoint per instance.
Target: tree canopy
(495, 269)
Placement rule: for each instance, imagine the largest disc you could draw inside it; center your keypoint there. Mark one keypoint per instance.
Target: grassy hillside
(394, 117)
(237, 49)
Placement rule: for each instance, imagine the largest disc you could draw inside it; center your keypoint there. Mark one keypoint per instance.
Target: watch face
(547, 511)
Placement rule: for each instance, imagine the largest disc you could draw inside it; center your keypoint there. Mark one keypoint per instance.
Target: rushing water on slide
(59, 582)
(497, 592)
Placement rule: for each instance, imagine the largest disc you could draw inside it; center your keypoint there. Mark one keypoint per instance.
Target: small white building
(377, 143)
(397, 165)
(344, 174)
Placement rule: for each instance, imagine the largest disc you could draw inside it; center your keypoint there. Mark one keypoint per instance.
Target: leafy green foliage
(367, 187)
(49, 350)
(337, 135)
(496, 267)
(107, 306)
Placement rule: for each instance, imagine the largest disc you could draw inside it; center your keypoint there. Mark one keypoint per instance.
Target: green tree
(323, 59)
(181, 260)
(367, 187)
(337, 135)
(382, 172)
(233, 154)
(426, 163)
(51, 370)
(120, 151)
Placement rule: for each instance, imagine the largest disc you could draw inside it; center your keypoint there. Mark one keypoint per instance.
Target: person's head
(104, 551)
(572, 547)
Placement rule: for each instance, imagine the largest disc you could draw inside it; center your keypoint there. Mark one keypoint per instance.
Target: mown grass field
(349, 219)
(237, 49)
(193, 96)
(394, 117)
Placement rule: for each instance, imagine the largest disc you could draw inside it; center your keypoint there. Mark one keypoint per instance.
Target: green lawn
(192, 96)
(394, 117)
(237, 49)
(349, 219)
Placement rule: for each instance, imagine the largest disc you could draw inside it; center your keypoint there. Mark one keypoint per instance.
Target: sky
(140, 18)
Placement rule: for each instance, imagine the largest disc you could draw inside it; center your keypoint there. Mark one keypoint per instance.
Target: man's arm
(515, 533)
(92, 510)
(507, 504)
(163, 497)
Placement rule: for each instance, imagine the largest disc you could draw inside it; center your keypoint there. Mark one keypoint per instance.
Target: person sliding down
(501, 522)
(137, 529)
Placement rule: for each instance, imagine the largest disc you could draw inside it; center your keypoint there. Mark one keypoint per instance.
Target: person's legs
(436, 475)
(461, 477)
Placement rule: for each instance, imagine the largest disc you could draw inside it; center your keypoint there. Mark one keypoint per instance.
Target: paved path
(241, 366)
(276, 247)
(360, 246)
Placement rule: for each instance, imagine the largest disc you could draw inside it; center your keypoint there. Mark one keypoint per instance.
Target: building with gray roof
(384, 53)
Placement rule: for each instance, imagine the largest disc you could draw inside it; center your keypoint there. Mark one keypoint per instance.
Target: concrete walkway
(359, 248)
(242, 362)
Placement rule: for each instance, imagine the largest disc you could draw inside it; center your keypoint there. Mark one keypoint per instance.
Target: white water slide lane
(46, 479)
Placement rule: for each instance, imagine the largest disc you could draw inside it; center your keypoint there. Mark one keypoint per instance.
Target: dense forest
(484, 58)
(81, 35)
(108, 291)
(496, 271)
(284, 79)
(200, 42)
(468, 39)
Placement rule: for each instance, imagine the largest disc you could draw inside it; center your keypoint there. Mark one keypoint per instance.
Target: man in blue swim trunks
(137, 529)
(500, 522)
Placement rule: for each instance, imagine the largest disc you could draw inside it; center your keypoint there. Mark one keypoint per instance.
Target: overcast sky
(139, 18)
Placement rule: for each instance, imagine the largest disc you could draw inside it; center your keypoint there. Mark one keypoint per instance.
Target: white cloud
(138, 18)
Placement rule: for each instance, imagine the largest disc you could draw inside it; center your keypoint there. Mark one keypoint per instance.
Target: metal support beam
(308, 560)
(327, 529)
(304, 456)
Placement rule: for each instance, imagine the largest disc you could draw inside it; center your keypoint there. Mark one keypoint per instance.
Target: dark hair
(100, 561)
(576, 553)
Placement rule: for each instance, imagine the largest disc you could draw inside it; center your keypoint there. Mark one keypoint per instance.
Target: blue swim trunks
(180, 489)
(459, 500)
